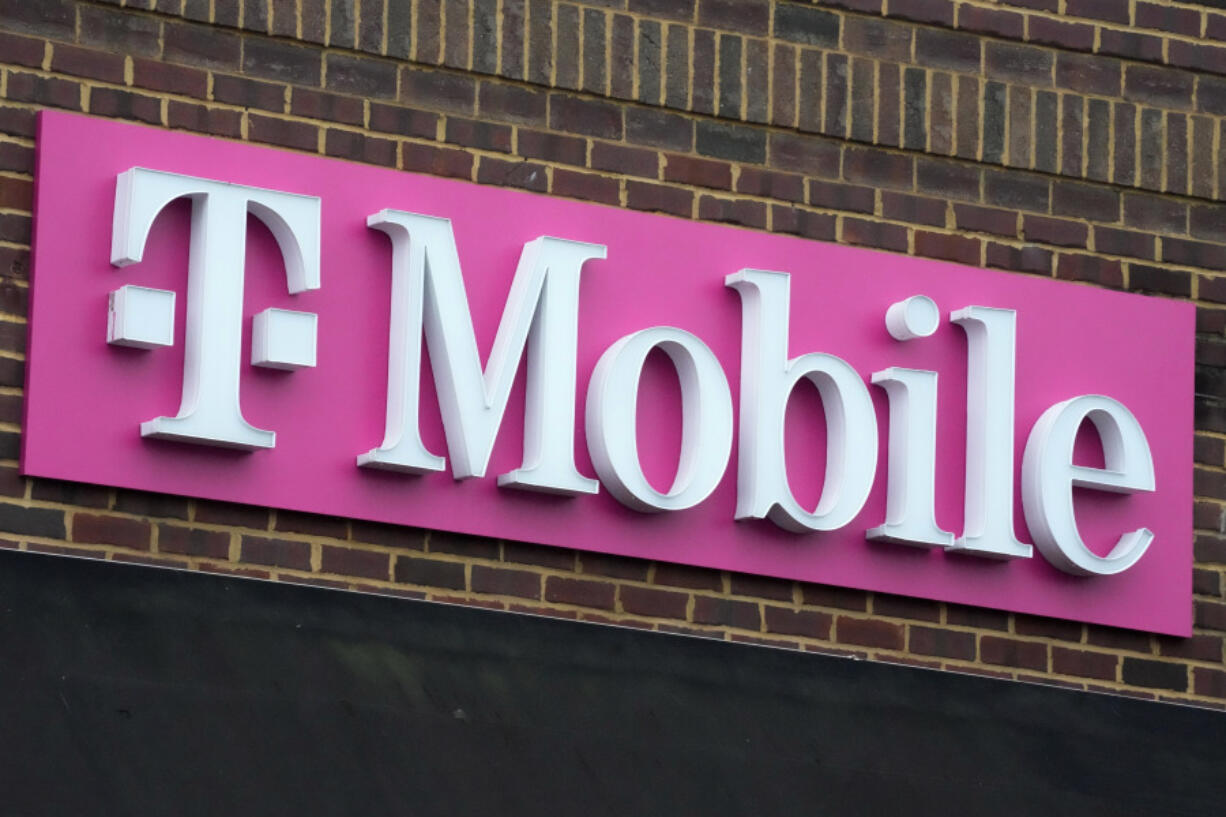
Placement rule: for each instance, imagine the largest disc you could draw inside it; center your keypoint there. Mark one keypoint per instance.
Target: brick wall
(1063, 138)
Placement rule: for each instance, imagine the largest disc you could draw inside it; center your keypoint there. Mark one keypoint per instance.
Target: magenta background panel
(85, 399)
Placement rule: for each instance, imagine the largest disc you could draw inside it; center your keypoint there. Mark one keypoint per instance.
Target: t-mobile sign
(232, 322)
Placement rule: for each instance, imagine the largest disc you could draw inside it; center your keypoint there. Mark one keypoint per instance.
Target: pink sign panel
(92, 387)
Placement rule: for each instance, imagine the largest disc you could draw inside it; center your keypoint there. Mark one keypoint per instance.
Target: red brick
(783, 97)
(111, 530)
(226, 513)
(660, 198)
(732, 211)
(869, 633)
(17, 194)
(743, 615)
(12, 373)
(1194, 648)
(1124, 242)
(1047, 627)
(588, 117)
(1210, 615)
(58, 93)
(315, 104)
(625, 160)
(1010, 652)
(996, 22)
(172, 79)
(377, 533)
(203, 119)
(836, 196)
(540, 610)
(311, 523)
(125, 105)
(401, 121)
(149, 561)
(581, 592)
(949, 49)
(1210, 450)
(461, 544)
(1118, 639)
(284, 21)
(1196, 56)
(512, 103)
(359, 147)
(653, 602)
(118, 31)
(368, 564)
(783, 643)
(807, 623)
(618, 567)
(978, 617)
(589, 186)
(878, 168)
(555, 558)
(361, 76)
(841, 597)
(1084, 663)
(1130, 44)
(437, 161)
(967, 145)
(670, 9)
(502, 581)
(811, 155)
(1145, 211)
(944, 643)
(700, 172)
(429, 572)
(52, 490)
(954, 180)
(1105, 271)
(283, 132)
(61, 550)
(1155, 85)
(696, 578)
(937, 12)
(702, 67)
(1209, 682)
(1056, 231)
(743, 16)
(525, 175)
(552, 147)
(914, 209)
(276, 552)
(880, 38)
(51, 18)
(444, 91)
(513, 44)
(986, 220)
(1146, 278)
(1108, 10)
(875, 234)
(793, 220)
(1144, 672)
(84, 62)
(281, 61)
(142, 503)
(659, 129)
(212, 544)
(202, 45)
(886, 604)
(763, 587)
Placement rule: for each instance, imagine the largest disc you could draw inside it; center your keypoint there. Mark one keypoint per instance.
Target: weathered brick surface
(1080, 140)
